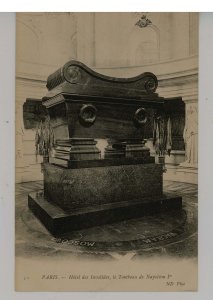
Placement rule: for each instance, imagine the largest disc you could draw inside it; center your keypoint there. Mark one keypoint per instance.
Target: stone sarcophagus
(84, 185)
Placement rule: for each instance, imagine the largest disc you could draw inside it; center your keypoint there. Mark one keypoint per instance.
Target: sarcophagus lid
(84, 103)
(75, 78)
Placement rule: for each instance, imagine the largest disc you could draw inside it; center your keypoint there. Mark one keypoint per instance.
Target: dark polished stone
(85, 187)
(79, 164)
(76, 149)
(81, 80)
(115, 240)
(58, 221)
(80, 191)
(84, 103)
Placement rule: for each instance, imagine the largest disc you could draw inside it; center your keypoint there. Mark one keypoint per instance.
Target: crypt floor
(172, 234)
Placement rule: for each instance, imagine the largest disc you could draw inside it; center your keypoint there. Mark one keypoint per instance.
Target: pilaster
(187, 171)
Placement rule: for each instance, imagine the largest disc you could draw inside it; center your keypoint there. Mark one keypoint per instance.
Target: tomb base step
(58, 221)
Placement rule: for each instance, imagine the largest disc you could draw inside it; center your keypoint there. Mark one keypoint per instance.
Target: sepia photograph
(106, 129)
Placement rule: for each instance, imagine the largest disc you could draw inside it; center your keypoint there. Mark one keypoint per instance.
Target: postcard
(106, 151)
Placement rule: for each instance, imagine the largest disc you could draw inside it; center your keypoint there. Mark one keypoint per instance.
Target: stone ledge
(58, 221)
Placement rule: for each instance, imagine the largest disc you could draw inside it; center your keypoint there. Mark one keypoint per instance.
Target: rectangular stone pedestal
(92, 194)
(59, 221)
(91, 186)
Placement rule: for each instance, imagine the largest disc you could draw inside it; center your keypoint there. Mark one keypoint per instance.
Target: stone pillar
(190, 134)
